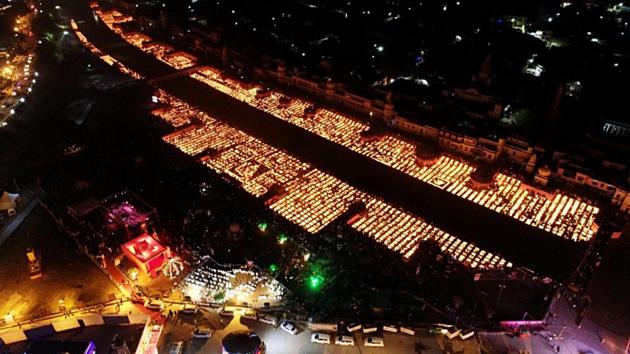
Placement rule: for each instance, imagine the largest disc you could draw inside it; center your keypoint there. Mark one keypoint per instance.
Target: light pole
(501, 288)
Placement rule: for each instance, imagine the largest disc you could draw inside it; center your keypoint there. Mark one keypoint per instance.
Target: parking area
(278, 341)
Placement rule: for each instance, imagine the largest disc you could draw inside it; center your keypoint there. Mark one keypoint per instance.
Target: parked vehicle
(189, 309)
(466, 334)
(353, 326)
(407, 330)
(225, 312)
(289, 327)
(268, 319)
(250, 315)
(154, 305)
(202, 332)
(343, 339)
(390, 328)
(177, 348)
(321, 338)
(374, 341)
(369, 328)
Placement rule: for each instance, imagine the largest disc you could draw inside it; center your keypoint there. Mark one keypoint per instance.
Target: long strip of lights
(105, 57)
(313, 198)
(177, 59)
(565, 216)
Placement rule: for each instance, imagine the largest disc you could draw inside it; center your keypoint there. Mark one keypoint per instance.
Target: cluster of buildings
(122, 233)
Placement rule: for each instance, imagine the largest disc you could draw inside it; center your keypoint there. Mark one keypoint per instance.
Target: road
(562, 335)
(278, 341)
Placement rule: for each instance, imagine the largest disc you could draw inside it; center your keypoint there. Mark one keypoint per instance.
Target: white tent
(8, 202)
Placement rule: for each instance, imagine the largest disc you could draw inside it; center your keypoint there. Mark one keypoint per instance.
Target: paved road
(280, 342)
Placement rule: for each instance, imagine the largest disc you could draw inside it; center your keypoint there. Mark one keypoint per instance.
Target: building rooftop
(144, 247)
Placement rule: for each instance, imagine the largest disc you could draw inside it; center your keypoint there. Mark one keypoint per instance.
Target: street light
(501, 288)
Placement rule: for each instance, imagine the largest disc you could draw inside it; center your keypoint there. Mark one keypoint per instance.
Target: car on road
(189, 309)
(289, 327)
(321, 338)
(176, 348)
(202, 332)
(154, 305)
(268, 319)
(373, 341)
(343, 339)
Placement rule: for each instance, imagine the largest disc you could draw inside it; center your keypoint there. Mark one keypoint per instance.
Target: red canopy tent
(146, 253)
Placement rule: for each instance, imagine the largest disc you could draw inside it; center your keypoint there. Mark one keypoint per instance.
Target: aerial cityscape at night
(314, 176)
